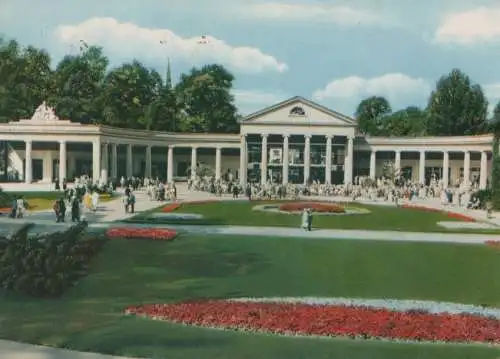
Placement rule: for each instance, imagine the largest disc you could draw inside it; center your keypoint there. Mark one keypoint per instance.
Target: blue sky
(333, 52)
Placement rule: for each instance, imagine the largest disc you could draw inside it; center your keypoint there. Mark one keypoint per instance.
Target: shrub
(46, 265)
(483, 195)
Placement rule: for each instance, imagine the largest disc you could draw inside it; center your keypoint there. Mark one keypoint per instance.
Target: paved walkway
(14, 350)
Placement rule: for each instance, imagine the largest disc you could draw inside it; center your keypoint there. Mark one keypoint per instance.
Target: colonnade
(100, 161)
(483, 176)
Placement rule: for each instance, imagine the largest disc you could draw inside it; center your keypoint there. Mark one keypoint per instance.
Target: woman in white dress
(95, 201)
(305, 215)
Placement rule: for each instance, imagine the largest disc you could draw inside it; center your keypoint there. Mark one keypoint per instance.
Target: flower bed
(170, 207)
(453, 215)
(492, 243)
(159, 234)
(327, 320)
(314, 206)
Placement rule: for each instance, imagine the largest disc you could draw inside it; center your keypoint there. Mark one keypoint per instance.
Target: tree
(129, 96)
(24, 80)
(456, 107)
(370, 114)
(205, 96)
(410, 121)
(77, 85)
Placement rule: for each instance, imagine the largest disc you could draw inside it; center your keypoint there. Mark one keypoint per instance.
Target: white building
(302, 140)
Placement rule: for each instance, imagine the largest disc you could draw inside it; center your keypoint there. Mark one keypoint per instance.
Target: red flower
(161, 234)
(314, 206)
(327, 320)
(454, 215)
(171, 207)
(493, 243)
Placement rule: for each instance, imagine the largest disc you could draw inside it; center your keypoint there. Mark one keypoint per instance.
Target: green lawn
(132, 272)
(380, 218)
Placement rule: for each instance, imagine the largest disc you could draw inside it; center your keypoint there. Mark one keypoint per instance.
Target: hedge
(46, 265)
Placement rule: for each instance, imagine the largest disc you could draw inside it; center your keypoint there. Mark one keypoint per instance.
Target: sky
(333, 52)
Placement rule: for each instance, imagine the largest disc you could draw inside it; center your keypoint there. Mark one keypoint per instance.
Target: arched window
(297, 111)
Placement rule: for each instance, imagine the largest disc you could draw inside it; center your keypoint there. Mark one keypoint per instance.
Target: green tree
(205, 96)
(410, 121)
(128, 96)
(371, 113)
(77, 85)
(24, 80)
(456, 107)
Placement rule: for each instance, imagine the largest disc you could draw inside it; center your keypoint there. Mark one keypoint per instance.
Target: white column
(397, 162)
(104, 163)
(285, 158)
(28, 170)
(96, 161)
(349, 161)
(62, 162)
(446, 165)
(147, 169)
(218, 162)
(466, 168)
(170, 164)
(243, 160)
(328, 160)
(114, 161)
(263, 160)
(373, 164)
(129, 162)
(307, 159)
(194, 162)
(483, 174)
(421, 166)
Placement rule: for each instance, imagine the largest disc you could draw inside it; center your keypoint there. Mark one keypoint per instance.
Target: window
(297, 111)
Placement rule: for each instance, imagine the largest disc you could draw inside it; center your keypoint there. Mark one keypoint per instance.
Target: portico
(297, 141)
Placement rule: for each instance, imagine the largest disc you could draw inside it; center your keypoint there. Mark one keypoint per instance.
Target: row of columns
(348, 163)
(483, 176)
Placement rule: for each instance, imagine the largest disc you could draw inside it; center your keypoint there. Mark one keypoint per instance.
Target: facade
(295, 141)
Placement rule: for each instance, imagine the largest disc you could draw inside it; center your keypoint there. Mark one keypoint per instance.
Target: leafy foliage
(83, 89)
(370, 115)
(46, 265)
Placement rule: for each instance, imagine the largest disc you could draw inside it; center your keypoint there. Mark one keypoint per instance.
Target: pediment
(299, 111)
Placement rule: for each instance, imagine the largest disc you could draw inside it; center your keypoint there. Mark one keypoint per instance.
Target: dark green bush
(483, 195)
(46, 265)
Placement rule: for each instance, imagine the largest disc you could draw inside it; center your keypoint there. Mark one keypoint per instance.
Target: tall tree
(371, 113)
(410, 121)
(128, 94)
(205, 96)
(76, 85)
(456, 107)
(24, 80)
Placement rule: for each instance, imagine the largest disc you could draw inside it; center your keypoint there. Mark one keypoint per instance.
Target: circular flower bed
(355, 321)
(316, 207)
(159, 234)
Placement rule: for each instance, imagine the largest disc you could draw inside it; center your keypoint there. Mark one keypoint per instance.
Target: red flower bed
(494, 244)
(314, 206)
(170, 207)
(159, 234)
(327, 320)
(453, 215)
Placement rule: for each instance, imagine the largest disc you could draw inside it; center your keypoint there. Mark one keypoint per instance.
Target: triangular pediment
(299, 111)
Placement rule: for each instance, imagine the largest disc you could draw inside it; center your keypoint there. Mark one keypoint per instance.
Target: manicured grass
(381, 217)
(132, 272)
(39, 201)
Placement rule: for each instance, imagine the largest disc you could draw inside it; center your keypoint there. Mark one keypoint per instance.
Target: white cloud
(128, 40)
(468, 27)
(399, 89)
(341, 15)
(249, 101)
